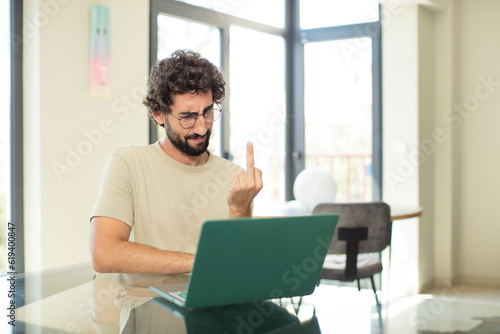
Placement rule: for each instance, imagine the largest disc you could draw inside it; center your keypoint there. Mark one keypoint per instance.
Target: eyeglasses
(210, 116)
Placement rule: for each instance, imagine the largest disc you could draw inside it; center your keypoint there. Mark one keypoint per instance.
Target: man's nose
(200, 127)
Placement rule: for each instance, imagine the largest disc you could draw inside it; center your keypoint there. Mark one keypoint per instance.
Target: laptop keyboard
(180, 294)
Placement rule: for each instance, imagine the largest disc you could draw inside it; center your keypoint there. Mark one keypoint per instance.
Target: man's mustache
(196, 136)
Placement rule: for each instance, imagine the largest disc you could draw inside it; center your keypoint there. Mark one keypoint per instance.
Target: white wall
(400, 138)
(437, 102)
(466, 222)
(478, 160)
(65, 127)
(429, 138)
(446, 179)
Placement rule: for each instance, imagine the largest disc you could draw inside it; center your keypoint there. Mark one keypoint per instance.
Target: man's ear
(159, 117)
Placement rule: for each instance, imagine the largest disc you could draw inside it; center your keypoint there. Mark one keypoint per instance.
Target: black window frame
(16, 136)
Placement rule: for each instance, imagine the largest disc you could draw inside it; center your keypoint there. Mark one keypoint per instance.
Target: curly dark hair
(183, 72)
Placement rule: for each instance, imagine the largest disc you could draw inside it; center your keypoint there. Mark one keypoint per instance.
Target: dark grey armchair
(363, 228)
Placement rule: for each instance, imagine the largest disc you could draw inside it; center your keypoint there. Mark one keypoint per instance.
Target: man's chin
(196, 150)
(194, 153)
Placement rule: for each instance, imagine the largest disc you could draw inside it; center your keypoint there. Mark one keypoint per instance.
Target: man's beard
(183, 145)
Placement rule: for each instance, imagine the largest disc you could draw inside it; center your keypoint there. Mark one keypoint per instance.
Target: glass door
(258, 106)
(338, 114)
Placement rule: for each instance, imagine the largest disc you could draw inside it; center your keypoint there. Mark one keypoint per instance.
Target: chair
(362, 228)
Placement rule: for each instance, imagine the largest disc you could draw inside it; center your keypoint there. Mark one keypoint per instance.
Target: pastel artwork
(99, 51)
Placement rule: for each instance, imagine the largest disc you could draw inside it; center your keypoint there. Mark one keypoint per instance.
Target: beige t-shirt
(164, 201)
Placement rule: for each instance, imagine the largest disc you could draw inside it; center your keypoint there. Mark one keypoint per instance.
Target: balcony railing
(352, 173)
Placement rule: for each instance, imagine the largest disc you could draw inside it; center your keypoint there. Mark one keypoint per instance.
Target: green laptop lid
(244, 260)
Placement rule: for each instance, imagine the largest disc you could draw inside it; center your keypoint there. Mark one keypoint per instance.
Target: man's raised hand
(244, 187)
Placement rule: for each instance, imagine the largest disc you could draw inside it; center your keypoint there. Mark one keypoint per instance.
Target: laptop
(243, 260)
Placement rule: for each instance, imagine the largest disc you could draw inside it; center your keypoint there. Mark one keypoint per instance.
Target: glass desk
(75, 300)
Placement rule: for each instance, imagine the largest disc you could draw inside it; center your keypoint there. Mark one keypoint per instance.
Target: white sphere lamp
(313, 186)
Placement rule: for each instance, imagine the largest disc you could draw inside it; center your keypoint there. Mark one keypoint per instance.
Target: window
(176, 33)
(4, 128)
(262, 11)
(257, 103)
(338, 115)
(305, 88)
(336, 13)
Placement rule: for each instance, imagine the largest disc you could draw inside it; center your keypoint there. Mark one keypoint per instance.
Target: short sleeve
(115, 198)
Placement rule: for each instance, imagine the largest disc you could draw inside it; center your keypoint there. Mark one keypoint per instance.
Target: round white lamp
(313, 186)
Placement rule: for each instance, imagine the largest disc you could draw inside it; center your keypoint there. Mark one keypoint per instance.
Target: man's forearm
(134, 258)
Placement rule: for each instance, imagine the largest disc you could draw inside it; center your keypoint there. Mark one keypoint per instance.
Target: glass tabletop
(77, 300)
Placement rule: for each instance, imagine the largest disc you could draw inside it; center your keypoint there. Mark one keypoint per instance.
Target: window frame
(16, 134)
(295, 39)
